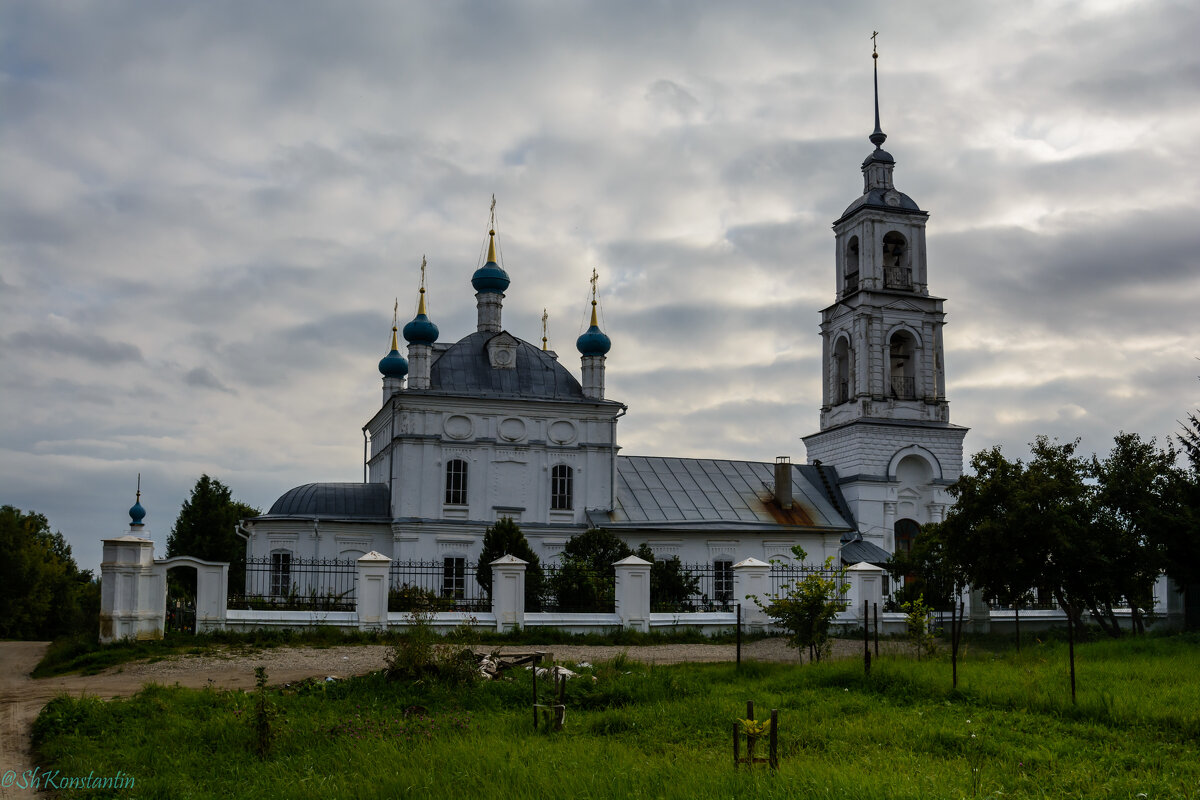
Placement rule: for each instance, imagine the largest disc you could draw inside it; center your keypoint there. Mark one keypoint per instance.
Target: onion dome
(593, 342)
(491, 277)
(136, 512)
(393, 365)
(421, 330)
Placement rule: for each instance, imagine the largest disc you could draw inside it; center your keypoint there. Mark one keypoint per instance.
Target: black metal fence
(711, 584)
(446, 585)
(783, 576)
(573, 589)
(283, 582)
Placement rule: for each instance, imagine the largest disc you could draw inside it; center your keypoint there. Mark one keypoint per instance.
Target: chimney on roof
(783, 481)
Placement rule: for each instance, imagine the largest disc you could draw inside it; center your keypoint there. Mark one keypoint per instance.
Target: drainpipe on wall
(238, 531)
(612, 481)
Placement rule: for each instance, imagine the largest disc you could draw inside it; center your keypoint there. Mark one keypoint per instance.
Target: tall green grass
(1009, 730)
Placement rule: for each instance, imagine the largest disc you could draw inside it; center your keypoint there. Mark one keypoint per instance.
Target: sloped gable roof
(696, 493)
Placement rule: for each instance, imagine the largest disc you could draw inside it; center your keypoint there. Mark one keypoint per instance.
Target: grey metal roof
(465, 368)
(887, 199)
(858, 550)
(695, 493)
(335, 501)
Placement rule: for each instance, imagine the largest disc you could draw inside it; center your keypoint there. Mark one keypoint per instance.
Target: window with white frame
(281, 573)
(562, 488)
(456, 482)
(454, 577)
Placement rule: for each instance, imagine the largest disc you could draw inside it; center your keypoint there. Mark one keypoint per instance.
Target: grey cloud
(202, 378)
(87, 346)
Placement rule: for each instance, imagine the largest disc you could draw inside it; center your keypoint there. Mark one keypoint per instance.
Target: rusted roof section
(699, 493)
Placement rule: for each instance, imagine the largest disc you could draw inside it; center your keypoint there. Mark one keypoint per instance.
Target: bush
(420, 654)
(809, 606)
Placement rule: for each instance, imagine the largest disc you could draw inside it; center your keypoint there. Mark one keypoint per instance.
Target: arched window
(281, 573)
(456, 482)
(562, 488)
(850, 266)
(896, 271)
(906, 533)
(843, 368)
(902, 356)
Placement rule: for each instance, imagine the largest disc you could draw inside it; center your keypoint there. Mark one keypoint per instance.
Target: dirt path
(22, 697)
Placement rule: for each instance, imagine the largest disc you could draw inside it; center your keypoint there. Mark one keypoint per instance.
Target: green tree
(808, 606)
(43, 593)
(585, 578)
(506, 539)
(1136, 510)
(1180, 542)
(670, 584)
(205, 529)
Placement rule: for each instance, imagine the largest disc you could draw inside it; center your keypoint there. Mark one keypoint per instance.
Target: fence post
(130, 608)
(866, 586)
(508, 593)
(371, 602)
(979, 613)
(633, 593)
(752, 577)
(212, 597)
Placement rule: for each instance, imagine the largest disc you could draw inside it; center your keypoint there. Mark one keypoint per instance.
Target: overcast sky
(206, 210)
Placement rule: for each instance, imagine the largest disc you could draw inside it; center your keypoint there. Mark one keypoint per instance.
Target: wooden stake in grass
(866, 641)
(1071, 647)
(875, 607)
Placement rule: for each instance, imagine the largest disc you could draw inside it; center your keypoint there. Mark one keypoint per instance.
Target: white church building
(493, 426)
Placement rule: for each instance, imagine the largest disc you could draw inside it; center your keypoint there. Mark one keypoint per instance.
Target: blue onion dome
(593, 341)
(421, 330)
(136, 512)
(393, 365)
(490, 277)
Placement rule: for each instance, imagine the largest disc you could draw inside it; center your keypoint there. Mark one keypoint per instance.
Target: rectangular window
(454, 577)
(456, 483)
(281, 573)
(722, 580)
(562, 494)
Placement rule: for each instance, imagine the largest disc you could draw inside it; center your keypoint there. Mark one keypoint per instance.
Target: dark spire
(878, 137)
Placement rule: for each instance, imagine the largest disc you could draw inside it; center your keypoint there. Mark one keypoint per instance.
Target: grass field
(1009, 730)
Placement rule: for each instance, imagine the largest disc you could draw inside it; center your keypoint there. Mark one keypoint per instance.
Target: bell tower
(883, 398)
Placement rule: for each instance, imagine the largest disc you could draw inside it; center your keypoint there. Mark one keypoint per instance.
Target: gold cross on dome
(545, 317)
(595, 278)
(395, 313)
(422, 273)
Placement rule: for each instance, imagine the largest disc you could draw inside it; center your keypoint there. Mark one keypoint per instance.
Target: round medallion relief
(512, 429)
(562, 432)
(457, 426)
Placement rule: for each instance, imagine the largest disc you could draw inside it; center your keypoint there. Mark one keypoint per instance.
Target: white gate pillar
(508, 593)
(372, 600)
(866, 585)
(212, 591)
(752, 579)
(633, 593)
(130, 608)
